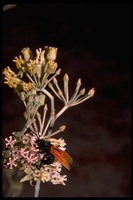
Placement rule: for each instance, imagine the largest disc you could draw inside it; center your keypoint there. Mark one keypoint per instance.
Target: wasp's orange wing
(61, 156)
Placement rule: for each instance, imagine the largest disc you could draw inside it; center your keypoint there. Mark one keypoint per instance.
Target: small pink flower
(32, 140)
(33, 149)
(24, 152)
(9, 142)
(11, 163)
(31, 158)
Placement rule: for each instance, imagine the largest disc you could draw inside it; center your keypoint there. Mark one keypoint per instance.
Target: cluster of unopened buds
(33, 150)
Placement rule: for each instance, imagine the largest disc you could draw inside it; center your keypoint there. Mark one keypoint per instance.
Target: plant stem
(37, 189)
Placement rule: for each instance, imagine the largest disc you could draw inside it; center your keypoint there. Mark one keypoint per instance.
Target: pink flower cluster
(24, 154)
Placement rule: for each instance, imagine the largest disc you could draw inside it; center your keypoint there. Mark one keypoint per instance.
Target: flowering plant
(34, 150)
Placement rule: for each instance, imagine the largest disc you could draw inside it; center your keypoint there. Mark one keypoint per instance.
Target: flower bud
(27, 53)
(41, 98)
(6, 154)
(30, 98)
(52, 52)
(23, 96)
(33, 91)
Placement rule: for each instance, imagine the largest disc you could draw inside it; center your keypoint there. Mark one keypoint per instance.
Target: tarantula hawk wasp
(51, 153)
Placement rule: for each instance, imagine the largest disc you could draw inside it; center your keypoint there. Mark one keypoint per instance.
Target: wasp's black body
(44, 147)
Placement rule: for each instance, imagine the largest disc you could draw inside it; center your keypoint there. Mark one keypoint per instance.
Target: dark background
(94, 44)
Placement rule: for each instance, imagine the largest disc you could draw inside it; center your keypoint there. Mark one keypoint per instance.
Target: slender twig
(61, 111)
(43, 120)
(76, 90)
(52, 110)
(66, 90)
(57, 73)
(52, 88)
(46, 128)
(30, 78)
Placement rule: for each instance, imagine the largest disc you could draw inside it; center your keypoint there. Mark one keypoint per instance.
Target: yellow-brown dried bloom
(11, 78)
(27, 86)
(51, 67)
(9, 72)
(20, 63)
(31, 66)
